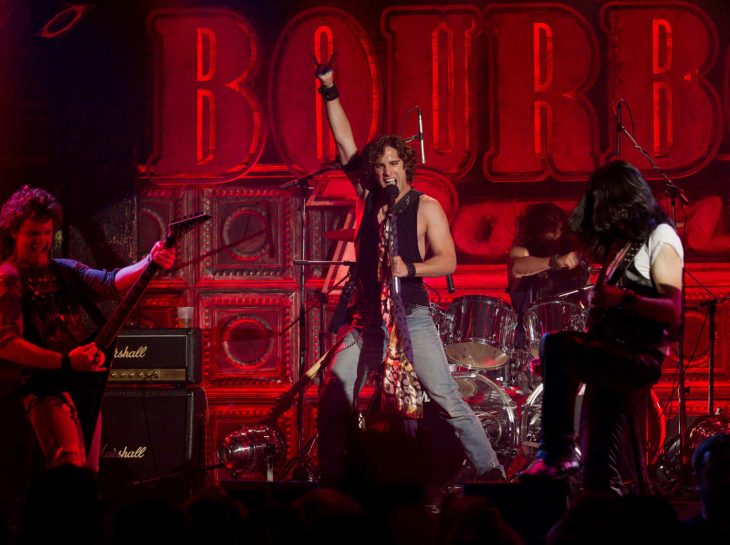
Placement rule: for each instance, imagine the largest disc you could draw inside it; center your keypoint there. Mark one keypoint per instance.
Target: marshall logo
(125, 352)
(124, 452)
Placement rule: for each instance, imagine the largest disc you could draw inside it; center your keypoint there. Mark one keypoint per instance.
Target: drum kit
(493, 375)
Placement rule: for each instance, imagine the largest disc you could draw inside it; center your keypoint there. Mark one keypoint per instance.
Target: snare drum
(482, 332)
(550, 317)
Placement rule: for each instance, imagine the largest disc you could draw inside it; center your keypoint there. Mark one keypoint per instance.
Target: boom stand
(674, 193)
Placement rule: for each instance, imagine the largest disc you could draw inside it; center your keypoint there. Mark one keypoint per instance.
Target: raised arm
(339, 124)
(126, 277)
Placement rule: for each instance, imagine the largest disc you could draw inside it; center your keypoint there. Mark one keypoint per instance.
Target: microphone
(619, 128)
(391, 192)
(450, 283)
(420, 134)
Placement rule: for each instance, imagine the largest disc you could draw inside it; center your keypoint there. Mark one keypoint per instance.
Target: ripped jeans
(361, 351)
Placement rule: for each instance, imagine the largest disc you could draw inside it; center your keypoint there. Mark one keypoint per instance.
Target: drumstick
(571, 292)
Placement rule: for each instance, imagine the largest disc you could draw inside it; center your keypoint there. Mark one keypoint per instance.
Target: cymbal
(343, 235)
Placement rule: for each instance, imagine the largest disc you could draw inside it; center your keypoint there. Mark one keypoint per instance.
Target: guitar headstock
(181, 226)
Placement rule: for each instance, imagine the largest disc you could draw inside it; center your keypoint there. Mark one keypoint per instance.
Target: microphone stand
(303, 184)
(673, 192)
(298, 465)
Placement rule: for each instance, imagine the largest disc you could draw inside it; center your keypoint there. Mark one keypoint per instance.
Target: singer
(387, 164)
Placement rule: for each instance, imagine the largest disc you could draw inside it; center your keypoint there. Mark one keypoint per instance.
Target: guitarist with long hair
(635, 307)
(44, 320)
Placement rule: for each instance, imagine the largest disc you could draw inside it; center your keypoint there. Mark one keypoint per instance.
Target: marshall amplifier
(152, 439)
(166, 356)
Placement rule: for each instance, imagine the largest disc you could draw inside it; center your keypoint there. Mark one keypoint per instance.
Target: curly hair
(374, 149)
(26, 203)
(617, 204)
(539, 218)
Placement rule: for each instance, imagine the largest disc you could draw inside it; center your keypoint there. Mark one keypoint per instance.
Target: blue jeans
(362, 350)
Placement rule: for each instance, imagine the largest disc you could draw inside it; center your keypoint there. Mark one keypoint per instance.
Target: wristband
(628, 300)
(328, 93)
(66, 363)
(411, 269)
(554, 262)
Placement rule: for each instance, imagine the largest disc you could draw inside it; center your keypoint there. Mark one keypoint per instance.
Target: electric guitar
(87, 388)
(616, 324)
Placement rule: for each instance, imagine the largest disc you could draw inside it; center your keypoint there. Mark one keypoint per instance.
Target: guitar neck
(107, 334)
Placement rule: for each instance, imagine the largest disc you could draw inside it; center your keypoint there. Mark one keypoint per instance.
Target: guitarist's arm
(666, 272)
(127, 276)
(15, 349)
(82, 358)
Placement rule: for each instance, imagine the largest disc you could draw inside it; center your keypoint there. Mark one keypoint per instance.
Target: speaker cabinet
(152, 439)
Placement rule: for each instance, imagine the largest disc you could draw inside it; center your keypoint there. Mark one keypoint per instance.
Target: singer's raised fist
(325, 71)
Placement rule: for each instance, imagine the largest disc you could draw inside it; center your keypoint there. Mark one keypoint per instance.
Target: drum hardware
(495, 410)
(442, 320)
(676, 461)
(481, 332)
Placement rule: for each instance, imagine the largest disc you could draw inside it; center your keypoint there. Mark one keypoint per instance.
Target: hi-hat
(342, 235)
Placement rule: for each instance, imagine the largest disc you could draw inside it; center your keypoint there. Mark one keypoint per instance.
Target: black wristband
(554, 262)
(328, 93)
(411, 269)
(66, 363)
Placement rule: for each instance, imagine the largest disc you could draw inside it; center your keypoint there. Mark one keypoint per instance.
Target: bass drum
(652, 425)
(495, 410)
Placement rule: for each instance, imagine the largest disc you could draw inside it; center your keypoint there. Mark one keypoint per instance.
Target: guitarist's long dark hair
(617, 204)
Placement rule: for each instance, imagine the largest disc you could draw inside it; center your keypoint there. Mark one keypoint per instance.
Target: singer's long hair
(374, 149)
(26, 203)
(617, 204)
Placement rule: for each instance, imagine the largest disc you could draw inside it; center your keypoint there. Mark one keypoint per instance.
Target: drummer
(542, 263)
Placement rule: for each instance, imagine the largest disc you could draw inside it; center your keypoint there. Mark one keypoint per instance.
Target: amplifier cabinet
(152, 436)
(165, 356)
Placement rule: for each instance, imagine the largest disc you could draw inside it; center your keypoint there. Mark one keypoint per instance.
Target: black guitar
(617, 324)
(87, 388)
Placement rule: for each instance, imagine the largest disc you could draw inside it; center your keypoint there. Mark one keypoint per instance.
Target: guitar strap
(624, 261)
